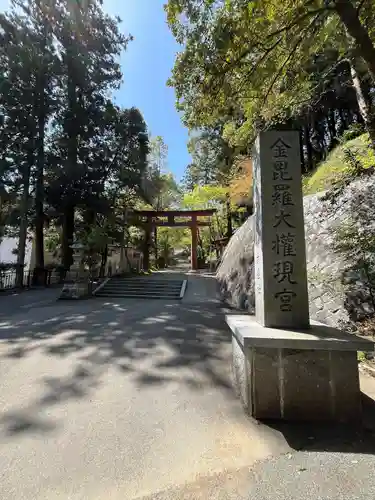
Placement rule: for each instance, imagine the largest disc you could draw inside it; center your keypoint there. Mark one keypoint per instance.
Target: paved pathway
(119, 399)
(128, 399)
(13, 303)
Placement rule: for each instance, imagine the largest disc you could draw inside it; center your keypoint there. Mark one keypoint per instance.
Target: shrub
(355, 130)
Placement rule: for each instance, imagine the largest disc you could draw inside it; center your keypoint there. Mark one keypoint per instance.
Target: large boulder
(340, 292)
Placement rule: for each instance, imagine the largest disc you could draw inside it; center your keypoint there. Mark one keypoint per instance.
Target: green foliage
(204, 197)
(52, 240)
(169, 193)
(209, 197)
(158, 155)
(335, 168)
(254, 65)
(355, 130)
(158, 179)
(96, 239)
(241, 56)
(213, 159)
(169, 240)
(361, 356)
(67, 150)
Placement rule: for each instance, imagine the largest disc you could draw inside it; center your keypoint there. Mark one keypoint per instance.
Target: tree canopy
(70, 157)
(256, 64)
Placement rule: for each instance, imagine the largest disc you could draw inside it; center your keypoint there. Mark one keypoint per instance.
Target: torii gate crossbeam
(149, 219)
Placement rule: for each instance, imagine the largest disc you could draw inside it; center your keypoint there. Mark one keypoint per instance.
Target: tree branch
(290, 56)
(293, 23)
(299, 19)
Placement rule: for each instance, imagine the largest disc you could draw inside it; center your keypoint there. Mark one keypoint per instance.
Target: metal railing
(9, 279)
(47, 277)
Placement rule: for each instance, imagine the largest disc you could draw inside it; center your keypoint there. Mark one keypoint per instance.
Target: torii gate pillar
(194, 241)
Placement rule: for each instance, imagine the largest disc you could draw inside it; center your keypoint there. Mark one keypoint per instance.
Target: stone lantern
(78, 255)
(79, 287)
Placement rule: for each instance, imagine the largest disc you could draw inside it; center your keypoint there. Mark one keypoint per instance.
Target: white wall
(7, 245)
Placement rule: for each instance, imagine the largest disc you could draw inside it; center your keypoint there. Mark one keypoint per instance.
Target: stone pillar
(281, 298)
(283, 367)
(194, 241)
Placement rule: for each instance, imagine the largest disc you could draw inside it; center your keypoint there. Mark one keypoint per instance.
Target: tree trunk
(89, 218)
(229, 217)
(103, 263)
(39, 182)
(303, 164)
(156, 243)
(39, 198)
(309, 153)
(200, 245)
(332, 126)
(24, 220)
(67, 237)
(343, 124)
(72, 153)
(367, 113)
(348, 14)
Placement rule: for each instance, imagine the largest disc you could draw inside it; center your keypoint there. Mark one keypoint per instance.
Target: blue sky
(146, 65)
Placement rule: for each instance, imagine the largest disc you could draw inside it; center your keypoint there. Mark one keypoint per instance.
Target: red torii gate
(149, 219)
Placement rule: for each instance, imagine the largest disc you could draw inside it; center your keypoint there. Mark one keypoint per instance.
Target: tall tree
(158, 165)
(158, 158)
(213, 164)
(26, 95)
(90, 43)
(67, 152)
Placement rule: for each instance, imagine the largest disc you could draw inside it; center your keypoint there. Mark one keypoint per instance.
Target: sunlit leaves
(249, 56)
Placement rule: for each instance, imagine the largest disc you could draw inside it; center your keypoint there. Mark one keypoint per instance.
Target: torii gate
(149, 219)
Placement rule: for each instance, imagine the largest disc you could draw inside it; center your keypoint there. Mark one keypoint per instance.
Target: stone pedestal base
(75, 291)
(320, 382)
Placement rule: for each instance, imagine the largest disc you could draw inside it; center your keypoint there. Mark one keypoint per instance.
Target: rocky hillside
(340, 247)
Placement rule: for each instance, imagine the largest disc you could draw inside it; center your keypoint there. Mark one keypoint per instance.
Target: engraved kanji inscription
(284, 244)
(280, 171)
(281, 195)
(283, 271)
(280, 149)
(285, 298)
(283, 219)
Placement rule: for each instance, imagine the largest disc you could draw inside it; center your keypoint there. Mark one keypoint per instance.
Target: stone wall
(338, 294)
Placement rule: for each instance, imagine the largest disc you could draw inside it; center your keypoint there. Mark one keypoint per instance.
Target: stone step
(146, 278)
(140, 290)
(156, 282)
(133, 295)
(144, 285)
(140, 280)
(154, 285)
(143, 288)
(147, 284)
(148, 290)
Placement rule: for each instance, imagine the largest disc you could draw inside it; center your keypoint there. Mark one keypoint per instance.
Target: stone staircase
(142, 287)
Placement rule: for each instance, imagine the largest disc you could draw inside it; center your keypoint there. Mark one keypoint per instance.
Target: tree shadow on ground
(152, 342)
